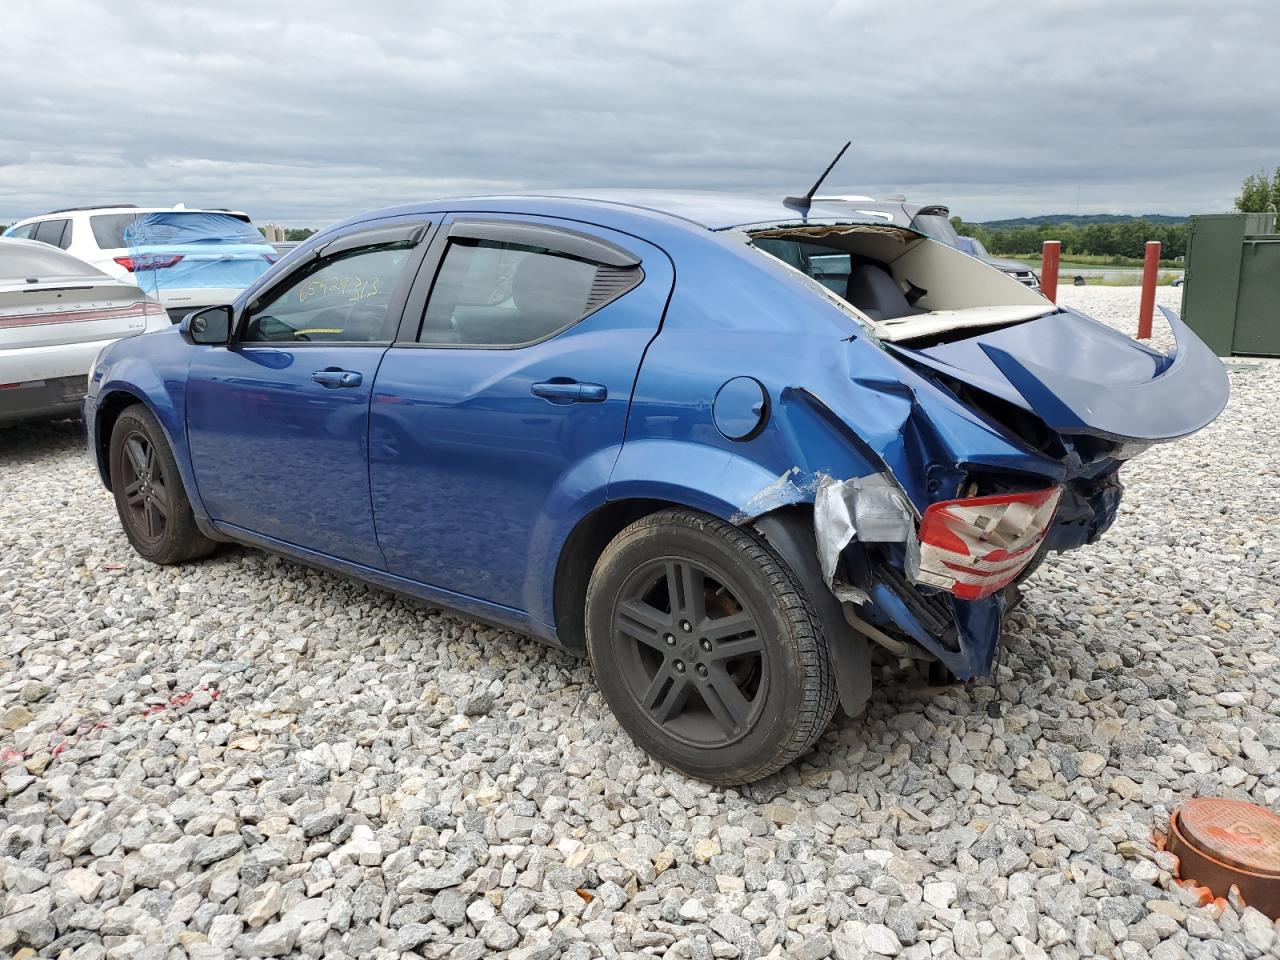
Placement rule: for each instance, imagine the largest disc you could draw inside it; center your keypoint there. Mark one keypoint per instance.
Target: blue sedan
(721, 446)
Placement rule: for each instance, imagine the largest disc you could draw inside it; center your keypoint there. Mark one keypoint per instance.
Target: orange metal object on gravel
(1223, 842)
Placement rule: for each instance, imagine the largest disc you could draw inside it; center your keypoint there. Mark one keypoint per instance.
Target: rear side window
(491, 293)
(108, 229)
(56, 233)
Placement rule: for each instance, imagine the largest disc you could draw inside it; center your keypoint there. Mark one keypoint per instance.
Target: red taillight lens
(977, 546)
(148, 262)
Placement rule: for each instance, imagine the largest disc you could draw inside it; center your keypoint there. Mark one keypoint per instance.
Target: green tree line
(1127, 239)
(1258, 194)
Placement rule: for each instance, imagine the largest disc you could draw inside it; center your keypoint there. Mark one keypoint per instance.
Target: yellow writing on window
(351, 289)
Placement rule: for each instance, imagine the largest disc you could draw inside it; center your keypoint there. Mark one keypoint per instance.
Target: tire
(726, 678)
(150, 499)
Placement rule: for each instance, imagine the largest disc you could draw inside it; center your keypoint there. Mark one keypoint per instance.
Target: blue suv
(720, 446)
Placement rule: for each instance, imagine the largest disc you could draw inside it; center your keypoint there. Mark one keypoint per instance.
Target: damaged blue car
(721, 446)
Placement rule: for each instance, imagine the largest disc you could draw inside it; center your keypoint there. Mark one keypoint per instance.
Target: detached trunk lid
(1082, 377)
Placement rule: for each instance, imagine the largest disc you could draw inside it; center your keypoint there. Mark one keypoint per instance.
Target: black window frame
(564, 240)
(347, 245)
(64, 234)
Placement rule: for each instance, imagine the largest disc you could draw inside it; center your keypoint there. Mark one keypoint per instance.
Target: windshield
(936, 227)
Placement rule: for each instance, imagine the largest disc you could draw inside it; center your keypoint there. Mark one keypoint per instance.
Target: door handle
(570, 391)
(333, 377)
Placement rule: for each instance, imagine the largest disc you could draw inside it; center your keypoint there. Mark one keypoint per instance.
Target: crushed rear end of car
(994, 426)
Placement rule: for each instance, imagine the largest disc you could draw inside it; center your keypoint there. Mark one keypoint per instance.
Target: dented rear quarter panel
(839, 404)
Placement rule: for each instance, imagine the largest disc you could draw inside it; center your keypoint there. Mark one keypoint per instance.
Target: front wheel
(707, 649)
(150, 499)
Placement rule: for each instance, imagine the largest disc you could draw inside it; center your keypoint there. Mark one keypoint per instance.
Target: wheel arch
(118, 395)
(108, 412)
(578, 556)
(788, 531)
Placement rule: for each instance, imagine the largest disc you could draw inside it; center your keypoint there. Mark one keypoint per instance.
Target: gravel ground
(244, 757)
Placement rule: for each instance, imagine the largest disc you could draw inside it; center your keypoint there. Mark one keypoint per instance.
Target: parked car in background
(642, 427)
(56, 313)
(1019, 271)
(934, 221)
(187, 259)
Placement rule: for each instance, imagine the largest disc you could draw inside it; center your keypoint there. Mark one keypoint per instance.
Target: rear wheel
(707, 648)
(150, 499)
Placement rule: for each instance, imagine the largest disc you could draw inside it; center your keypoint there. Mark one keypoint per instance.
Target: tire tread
(186, 542)
(818, 695)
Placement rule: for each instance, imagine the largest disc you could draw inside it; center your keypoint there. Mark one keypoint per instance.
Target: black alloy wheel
(150, 498)
(694, 657)
(146, 493)
(707, 647)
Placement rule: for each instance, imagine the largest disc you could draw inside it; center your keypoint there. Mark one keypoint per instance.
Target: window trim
(62, 234)
(352, 244)
(570, 242)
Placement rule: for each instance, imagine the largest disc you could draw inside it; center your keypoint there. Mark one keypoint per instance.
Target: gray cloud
(310, 114)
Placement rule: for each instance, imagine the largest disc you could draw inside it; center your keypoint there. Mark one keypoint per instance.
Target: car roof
(130, 208)
(895, 207)
(707, 209)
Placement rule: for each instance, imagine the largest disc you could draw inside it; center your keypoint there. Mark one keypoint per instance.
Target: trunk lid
(53, 312)
(1082, 377)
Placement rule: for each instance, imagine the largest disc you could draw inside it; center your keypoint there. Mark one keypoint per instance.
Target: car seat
(872, 289)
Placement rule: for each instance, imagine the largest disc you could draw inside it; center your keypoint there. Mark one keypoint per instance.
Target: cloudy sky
(303, 113)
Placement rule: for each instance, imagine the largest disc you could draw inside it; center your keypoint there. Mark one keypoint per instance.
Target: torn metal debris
(871, 509)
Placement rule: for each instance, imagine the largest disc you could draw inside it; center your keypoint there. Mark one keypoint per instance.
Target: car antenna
(803, 203)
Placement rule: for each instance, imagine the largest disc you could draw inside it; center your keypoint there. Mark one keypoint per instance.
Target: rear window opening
(109, 228)
(905, 286)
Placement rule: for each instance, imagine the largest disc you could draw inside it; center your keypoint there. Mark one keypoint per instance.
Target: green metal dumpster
(1231, 294)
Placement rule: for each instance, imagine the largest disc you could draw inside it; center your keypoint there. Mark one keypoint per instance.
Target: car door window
(24, 232)
(343, 299)
(56, 233)
(491, 293)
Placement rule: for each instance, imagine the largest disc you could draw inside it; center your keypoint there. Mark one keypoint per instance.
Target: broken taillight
(976, 546)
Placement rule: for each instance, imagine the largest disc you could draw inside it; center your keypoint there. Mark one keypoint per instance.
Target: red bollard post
(1049, 256)
(1150, 268)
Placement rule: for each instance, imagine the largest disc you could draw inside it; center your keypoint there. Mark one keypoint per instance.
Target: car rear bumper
(45, 381)
(41, 399)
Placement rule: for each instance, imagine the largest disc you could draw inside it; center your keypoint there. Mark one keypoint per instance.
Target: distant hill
(1081, 220)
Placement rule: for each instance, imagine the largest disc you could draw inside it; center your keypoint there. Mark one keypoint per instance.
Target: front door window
(342, 300)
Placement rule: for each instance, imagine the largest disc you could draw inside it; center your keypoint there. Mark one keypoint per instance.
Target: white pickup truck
(56, 314)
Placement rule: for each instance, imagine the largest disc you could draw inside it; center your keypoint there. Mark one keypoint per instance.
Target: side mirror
(210, 326)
